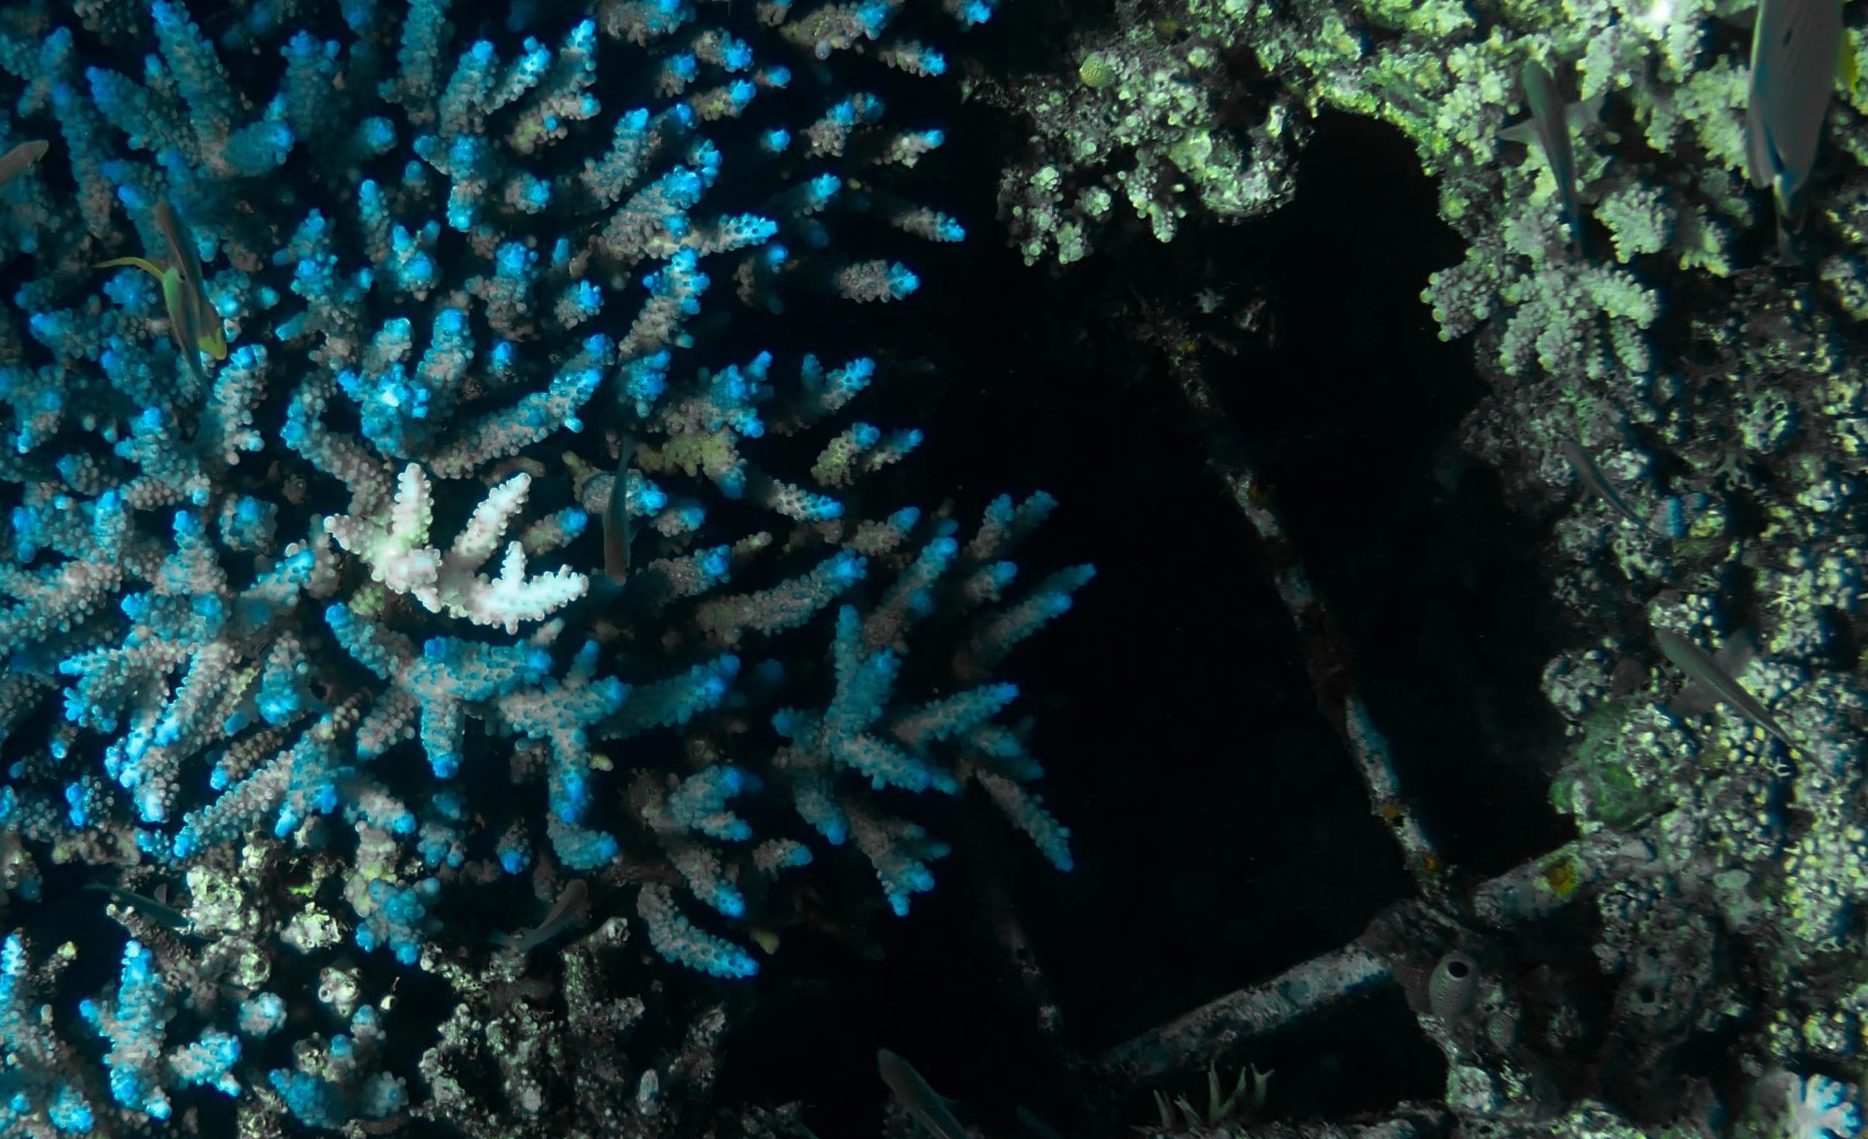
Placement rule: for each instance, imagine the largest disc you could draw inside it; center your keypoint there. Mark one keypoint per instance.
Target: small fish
(192, 319)
(20, 159)
(210, 336)
(572, 906)
(176, 302)
(155, 910)
(1549, 124)
(1598, 483)
(1715, 678)
(913, 1093)
(1797, 49)
(618, 530)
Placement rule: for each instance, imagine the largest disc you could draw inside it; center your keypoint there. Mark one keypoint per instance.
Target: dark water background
(1220, 831)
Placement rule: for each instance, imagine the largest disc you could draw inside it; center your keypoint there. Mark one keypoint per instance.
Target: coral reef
(400, 538)
(1148, 117)
(1675, 380)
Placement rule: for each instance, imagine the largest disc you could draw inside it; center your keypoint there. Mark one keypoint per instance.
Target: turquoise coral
(310, 650)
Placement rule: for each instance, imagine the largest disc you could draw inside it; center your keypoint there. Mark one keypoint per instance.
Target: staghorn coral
(463, 264)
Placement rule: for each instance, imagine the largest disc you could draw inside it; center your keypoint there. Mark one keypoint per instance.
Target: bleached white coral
(1817, 1107)
(397, 551)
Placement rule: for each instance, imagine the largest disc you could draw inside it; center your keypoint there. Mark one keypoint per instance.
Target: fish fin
(1785, 195)
(1694, 699)
(1736, 653)
(1579, 115)
(1524, 133)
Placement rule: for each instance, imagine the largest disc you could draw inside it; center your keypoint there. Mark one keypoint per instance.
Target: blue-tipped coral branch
(310, 637)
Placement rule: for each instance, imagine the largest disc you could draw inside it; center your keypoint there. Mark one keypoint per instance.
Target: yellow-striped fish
(183, 318)
(192, 319)
(182, 247)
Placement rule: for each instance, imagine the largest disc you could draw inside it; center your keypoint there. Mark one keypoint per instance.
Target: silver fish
(1716, 679)
(618, 530)
(156, 909)
(20, 159)
(204, 324)
(913, 1093)
(1549, 124)
(1598, 483)
(1795, 49)
(571, 907)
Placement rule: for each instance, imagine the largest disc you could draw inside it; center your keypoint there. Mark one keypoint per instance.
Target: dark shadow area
(1220, 832)
(1434, 577)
